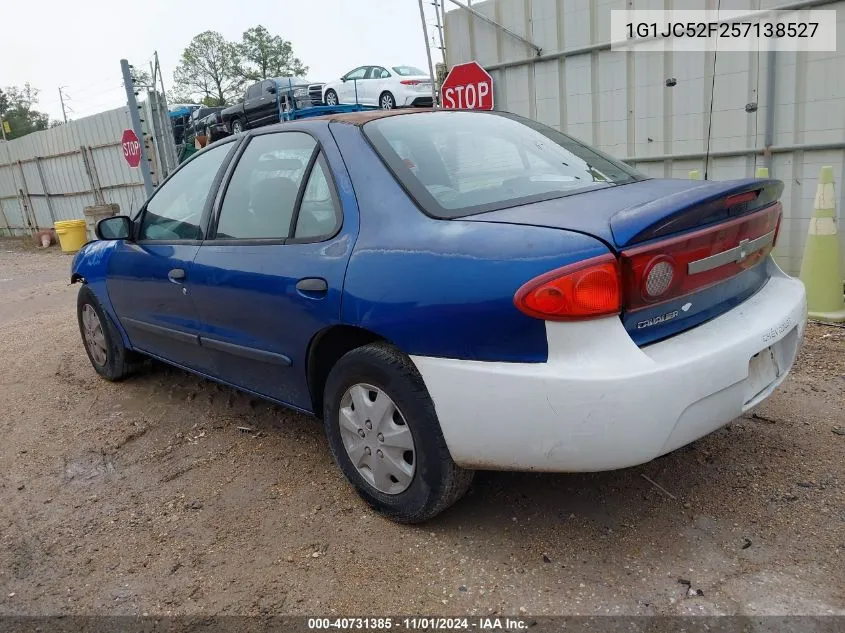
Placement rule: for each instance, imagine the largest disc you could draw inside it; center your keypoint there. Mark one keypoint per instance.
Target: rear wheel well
(328, 347)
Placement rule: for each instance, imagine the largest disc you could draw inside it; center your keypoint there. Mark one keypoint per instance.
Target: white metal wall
(52, 175)
(619, 101)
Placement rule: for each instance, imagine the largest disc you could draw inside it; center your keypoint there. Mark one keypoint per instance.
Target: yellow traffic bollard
(762, 172)
(694, 174)
(821, 269)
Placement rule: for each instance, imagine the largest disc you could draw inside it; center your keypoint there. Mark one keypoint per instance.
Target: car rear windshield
(407, 71)
(462, 163)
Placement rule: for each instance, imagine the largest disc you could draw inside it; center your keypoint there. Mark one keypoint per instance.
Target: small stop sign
(131, 148)
(468, 87)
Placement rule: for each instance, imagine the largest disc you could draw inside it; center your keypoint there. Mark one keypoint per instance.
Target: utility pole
(136, 125)
(437, 4)
(428, 56)
(169, 142)
(62, 100)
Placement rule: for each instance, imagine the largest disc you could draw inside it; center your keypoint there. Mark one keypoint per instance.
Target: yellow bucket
(72, 235)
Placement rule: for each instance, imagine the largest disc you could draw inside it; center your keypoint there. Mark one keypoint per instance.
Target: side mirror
(344, 79)
(271, 90)
(118, 227)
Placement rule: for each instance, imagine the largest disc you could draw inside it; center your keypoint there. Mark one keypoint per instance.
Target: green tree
(209, 68)
(264, 56)
(141, 78)
(17, 108)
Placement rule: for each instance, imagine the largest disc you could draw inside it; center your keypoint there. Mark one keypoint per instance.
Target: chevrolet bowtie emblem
(743, 251)
(735, 255)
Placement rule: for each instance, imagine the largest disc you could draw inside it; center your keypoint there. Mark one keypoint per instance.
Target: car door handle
(177, 275)
(312, 287)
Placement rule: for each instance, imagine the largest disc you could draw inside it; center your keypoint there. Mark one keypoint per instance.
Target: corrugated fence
(653, 109)
(52, 175)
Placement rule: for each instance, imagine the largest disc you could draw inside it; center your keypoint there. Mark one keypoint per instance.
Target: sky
(79, 44)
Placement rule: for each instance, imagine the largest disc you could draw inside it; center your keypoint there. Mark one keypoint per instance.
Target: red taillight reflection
(638, 263)
(411, 82)
(580, 291)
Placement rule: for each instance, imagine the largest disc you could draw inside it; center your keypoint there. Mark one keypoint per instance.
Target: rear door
(149, 279)
(270, 275)
(377, 83)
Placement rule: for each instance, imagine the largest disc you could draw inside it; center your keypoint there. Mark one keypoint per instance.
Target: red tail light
(654, 273)
(579, 291)
(675, 267)
(410, 82)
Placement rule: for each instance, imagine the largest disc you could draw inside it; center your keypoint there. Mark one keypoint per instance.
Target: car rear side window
(318, 212)
(461, 163)
(406, 71)
(175, 210)
(261, 196)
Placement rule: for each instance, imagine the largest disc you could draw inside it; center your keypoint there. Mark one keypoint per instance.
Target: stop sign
(468, 87)
(131, 148)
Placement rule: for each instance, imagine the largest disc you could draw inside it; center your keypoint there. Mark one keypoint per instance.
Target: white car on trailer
(387, 87)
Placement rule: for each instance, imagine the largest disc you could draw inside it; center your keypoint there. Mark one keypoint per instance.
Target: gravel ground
(168, 494)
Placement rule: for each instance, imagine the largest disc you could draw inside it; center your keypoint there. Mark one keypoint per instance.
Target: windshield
(407, 71)
(461, 163)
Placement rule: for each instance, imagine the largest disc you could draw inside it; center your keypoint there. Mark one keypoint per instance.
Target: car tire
(101, 340)
(435, 481)
(331, 98)
(237, 126)
(387, 101)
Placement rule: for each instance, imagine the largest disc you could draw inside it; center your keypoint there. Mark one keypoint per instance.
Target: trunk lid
(624, 215)
(704, 228)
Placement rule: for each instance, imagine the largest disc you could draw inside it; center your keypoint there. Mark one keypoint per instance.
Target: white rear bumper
(601, 402)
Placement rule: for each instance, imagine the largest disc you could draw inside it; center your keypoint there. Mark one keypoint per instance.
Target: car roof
(351, 118)
(365, 116)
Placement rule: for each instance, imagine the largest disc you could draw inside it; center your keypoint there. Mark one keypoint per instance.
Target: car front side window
(261, 197)
(175, 210)
(358, 73)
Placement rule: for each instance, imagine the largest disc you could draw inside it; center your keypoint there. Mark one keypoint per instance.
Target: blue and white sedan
(451, 291)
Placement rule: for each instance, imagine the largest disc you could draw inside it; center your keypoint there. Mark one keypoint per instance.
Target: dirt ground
(148, 497)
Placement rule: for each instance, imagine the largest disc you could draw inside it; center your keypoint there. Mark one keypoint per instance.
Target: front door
(352, 88)
(253, 105)
(269, 102)
(271, 276)
(149, 278)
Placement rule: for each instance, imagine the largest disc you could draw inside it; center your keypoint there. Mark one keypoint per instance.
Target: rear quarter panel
(444, 287)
